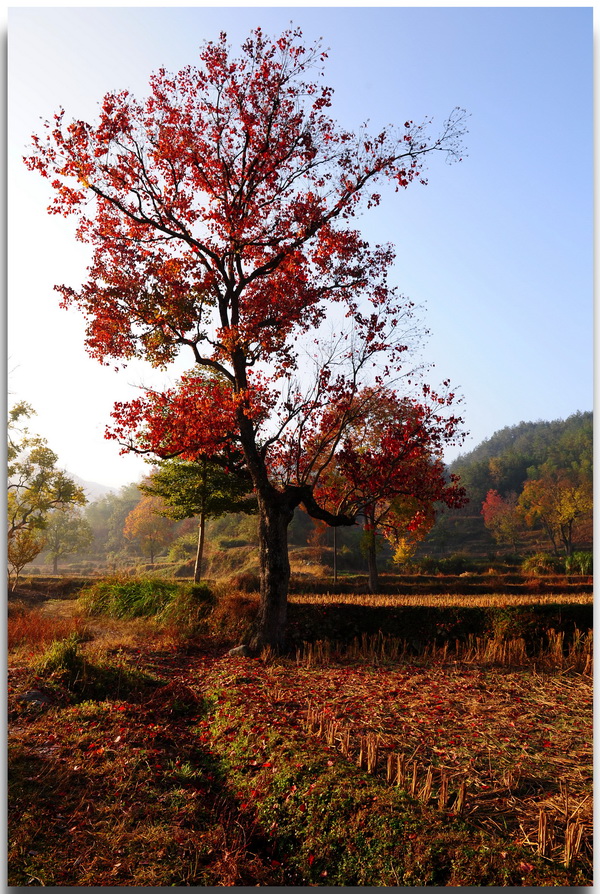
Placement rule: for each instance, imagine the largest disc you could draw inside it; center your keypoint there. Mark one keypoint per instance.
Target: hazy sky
(497, 248)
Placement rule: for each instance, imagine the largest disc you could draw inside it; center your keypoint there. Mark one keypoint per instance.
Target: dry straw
(495, 650)
(573, 839)
(431, 784)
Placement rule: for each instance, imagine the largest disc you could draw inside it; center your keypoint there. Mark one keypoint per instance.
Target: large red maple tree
(219, 210)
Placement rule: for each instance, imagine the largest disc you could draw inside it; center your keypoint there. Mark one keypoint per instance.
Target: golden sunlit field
(447, 742)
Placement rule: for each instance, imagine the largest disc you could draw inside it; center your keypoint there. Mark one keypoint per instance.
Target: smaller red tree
(502, 518)
(389, 469)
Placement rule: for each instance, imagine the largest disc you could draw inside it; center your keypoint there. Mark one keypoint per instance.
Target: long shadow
(59, 804)
(342, 622)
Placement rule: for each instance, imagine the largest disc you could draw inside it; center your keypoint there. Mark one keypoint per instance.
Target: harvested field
(362, 762)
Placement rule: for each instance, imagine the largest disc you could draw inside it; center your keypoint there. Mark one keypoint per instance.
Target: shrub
(188, 609)
(64, 663)
(579, 563)
(122, 597)
(542, 563)
(62, 656)
(180, 609)
(183, 548)
(456, 564)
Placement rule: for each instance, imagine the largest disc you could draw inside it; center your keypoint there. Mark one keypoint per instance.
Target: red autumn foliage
(219, 214)
(389, 467)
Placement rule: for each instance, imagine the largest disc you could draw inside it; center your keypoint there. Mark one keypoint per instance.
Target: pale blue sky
(498, 248)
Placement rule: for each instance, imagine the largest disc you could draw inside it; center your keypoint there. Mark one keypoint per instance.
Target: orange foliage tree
(148, 526)
(561, 503)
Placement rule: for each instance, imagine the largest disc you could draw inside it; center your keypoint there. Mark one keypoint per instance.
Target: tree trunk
(550, 532)
(370, 534)
(55, 565)
(372, 563)
(201, 530)
(566, 535)
(274, 574)
(335, 555)
(200, 550)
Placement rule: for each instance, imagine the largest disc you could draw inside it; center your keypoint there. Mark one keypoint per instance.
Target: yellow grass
(444, 599)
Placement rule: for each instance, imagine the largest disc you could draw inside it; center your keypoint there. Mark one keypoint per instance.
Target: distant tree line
(533, 476)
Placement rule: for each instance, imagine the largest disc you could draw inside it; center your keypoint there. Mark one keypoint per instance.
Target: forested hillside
(520, 466)
(515, 453)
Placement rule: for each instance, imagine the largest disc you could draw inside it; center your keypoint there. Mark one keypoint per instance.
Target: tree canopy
(389, 468)
(35, 485)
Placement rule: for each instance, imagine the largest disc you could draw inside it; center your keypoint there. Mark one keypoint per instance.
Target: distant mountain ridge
(538, 439)
(92, 489)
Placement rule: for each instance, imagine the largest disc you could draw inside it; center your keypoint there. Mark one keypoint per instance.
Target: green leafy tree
(67, 532)
(35, 485)
(203, 489)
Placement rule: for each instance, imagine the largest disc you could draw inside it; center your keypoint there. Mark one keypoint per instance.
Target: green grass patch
(126, 598)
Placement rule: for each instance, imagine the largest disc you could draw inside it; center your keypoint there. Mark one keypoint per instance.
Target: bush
(181, 609)
(62, 656)
(64, 663)
(456, 564)
(188, 609)
(542, 563)
(580, 563)
(122, 597)
(183, 548)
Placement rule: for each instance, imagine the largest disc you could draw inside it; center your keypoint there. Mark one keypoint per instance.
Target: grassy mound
(166, 601)
(67, 673)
